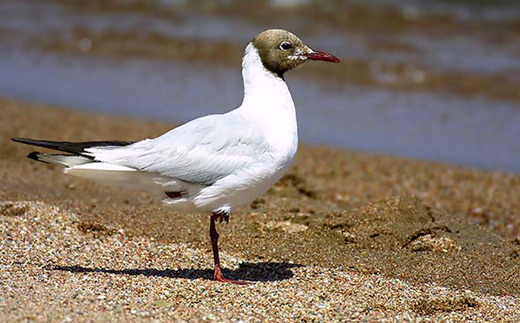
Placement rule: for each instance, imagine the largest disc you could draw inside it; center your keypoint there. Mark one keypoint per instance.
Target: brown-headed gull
(213, 164)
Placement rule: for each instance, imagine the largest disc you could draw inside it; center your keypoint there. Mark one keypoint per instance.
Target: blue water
(470, 131)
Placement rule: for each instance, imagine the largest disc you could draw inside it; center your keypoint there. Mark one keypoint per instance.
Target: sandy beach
(343, 236)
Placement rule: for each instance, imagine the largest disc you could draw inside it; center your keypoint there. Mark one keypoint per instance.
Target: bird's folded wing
(199, 152)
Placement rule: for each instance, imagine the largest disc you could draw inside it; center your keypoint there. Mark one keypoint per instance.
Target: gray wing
(201, 151)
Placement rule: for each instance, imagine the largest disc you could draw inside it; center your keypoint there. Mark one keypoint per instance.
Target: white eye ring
(285, 45)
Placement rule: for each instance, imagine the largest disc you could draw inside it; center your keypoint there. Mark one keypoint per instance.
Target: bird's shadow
(256, 272)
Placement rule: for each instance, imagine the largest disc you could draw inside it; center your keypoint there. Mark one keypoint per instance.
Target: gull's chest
(282, 141)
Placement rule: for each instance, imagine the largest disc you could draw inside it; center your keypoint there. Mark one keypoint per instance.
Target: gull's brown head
(281, 51)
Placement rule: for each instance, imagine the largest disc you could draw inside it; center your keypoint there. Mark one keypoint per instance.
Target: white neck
(268, 102)
(263, 90)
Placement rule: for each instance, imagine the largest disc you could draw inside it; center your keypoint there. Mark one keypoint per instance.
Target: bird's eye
(285, 45)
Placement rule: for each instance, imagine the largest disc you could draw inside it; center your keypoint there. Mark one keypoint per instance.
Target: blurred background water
(428, 79)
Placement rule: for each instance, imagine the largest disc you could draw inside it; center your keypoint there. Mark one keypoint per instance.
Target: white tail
(63, 160)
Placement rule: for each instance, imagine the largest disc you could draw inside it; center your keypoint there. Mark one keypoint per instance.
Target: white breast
(267, 105)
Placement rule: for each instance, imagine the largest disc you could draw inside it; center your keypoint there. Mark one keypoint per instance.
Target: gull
(213, 164)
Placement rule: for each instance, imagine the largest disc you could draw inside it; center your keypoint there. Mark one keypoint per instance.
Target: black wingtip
(76, 148)
(16, 139)
(34, 155)
(24, 141)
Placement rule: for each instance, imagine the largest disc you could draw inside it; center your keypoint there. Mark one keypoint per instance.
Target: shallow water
(470, 130)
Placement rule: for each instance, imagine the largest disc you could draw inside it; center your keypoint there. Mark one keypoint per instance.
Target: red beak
(321, 56)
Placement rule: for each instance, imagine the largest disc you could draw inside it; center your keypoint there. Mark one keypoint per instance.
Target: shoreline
(375, 236)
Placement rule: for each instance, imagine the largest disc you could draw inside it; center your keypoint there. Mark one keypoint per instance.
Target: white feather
(115, 175)
(63, 160)
(218, 161)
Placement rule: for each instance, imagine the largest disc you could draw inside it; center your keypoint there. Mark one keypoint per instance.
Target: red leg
(214, 245)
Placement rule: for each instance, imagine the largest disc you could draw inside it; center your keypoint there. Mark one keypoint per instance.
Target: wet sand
(345, 235)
